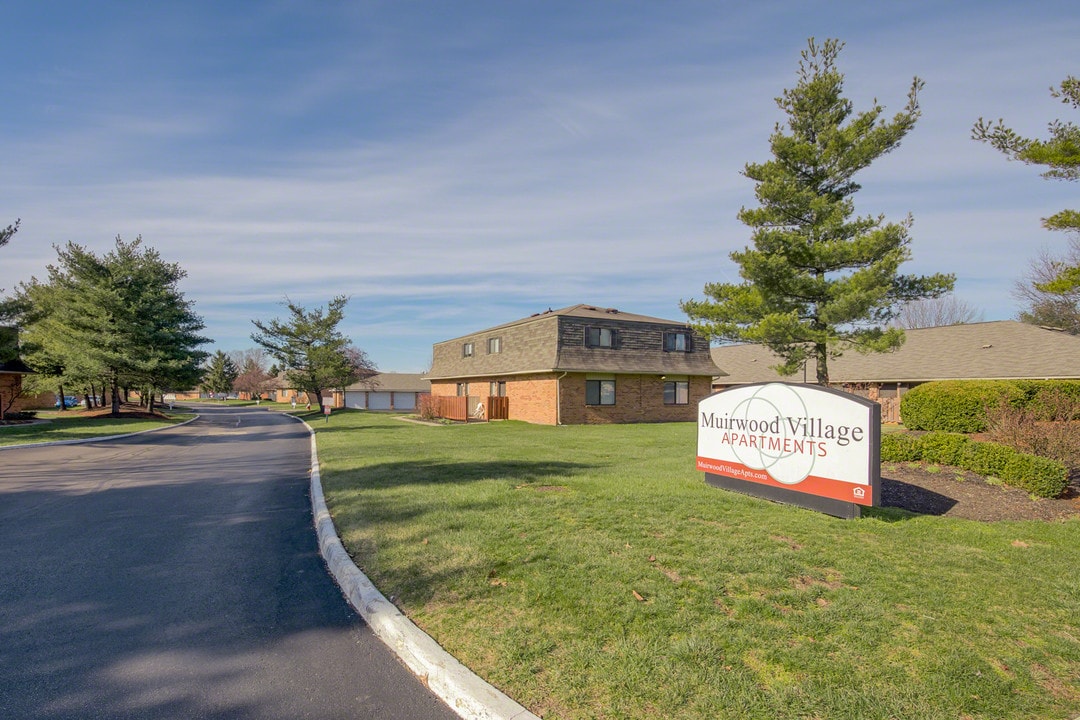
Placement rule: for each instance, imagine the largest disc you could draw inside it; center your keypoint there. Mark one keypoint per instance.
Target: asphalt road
(176, 575)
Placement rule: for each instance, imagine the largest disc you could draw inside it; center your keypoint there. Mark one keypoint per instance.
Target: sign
(803, 444)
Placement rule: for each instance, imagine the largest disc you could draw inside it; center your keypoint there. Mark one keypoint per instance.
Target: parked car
(69, 401)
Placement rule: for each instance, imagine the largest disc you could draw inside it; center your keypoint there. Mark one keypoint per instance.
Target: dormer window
(467, 350)
(494, 345)
(677, 341)
(598, 337)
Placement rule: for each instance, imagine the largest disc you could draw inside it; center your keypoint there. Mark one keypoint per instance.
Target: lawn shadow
(913, 498)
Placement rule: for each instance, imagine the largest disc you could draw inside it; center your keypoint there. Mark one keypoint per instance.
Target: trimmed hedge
(959, 406)
(1039, 476)
(942, 447)
(1036, 475)
(897, 447)
(986, 458)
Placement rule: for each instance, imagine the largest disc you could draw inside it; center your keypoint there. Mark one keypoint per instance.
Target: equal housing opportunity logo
(802, 437)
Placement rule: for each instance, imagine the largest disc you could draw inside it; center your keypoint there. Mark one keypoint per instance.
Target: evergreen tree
(818, 281)
(119, 320)
(9, 349)
(7, 233)
(310, 349)
(161, 326)
(1060, 154)
(220, 374)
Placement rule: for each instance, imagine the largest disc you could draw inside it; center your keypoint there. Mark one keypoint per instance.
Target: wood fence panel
(890, 409)
(498, 408)
(454, 408)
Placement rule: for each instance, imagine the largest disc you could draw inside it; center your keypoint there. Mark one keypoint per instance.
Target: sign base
(836, 508)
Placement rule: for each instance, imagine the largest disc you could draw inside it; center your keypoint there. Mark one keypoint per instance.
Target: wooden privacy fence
(454, 408)
(890, 409)
(498, 408)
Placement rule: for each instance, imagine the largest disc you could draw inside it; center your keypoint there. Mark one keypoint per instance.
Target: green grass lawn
(72, 426)
(589, 572)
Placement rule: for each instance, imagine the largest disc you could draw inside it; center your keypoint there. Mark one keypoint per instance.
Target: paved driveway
(176, 575)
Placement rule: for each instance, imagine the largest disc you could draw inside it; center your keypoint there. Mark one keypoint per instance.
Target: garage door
(355, 400)
(405, 401)
(379, 401)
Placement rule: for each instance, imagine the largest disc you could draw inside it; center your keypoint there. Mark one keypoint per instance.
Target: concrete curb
(101, 438)
(460, 688)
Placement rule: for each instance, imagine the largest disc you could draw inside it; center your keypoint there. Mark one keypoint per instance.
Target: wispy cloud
(531, 170)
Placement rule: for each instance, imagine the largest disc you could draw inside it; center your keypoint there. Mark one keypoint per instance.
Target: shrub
(1051, 399)
(1037, 475)
(427, 407)
(943, 447)
(898, 447)
(20, 416)
(957, 406)
(1045, 427)
(986, 458)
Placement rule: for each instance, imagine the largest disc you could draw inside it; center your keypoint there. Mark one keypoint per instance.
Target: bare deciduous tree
(1041, 305)
(936, 312)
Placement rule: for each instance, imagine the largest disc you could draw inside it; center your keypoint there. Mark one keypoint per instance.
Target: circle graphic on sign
(770, 418)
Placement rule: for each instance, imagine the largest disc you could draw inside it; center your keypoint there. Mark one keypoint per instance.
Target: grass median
(73, 425)
(588, 571)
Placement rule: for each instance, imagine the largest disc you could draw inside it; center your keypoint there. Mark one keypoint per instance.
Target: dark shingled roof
(999, 350)
(531, 345)
(394, 382)
(15, 366)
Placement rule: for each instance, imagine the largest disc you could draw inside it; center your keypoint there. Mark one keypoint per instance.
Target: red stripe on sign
(811, 485)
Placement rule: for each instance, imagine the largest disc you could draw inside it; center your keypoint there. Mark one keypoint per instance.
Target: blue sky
(455, 165)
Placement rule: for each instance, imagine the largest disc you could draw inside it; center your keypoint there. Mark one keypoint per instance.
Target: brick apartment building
(579, 365)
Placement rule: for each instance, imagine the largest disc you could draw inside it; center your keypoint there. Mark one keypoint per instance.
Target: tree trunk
(318, 397)
(115, 399)
(822, 356)
(63, 404)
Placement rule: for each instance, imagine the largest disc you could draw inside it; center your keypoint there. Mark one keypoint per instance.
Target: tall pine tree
(1060, 154)
(818, 280)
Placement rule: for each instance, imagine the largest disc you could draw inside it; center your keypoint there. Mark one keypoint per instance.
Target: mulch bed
(127, 410)
(953, 492)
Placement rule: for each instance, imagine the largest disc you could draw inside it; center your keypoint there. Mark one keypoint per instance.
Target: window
(494, 345)
(498, 388)
(601, 337)
(599, 392)
(677, 392)
(677, 341)
(467, 350)
(463, 389)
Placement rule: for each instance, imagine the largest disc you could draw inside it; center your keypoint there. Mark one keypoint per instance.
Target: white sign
(804, 438)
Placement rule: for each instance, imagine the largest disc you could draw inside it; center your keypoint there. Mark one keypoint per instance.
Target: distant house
(999, 350)
(579, 365)
(385, 391)
(11, 374)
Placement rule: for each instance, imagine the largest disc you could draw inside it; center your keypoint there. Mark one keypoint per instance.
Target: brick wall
(638, 398)
(531, 397)
(11, 384)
